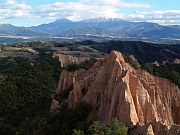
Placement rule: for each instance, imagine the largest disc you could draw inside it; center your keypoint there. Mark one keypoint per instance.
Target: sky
(36, 12)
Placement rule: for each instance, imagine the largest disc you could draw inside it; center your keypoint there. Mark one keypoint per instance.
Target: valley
(47, 83)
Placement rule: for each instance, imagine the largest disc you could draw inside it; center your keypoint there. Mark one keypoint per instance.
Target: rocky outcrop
(54, 105)
(150, 130)
(176, 61)
(66, 59)
(115, 89)
(154, 128)
(67, 79)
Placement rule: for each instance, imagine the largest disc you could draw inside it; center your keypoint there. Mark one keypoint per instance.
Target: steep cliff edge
(115, 89)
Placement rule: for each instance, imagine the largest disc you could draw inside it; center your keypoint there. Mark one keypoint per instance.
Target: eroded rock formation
(66, 59)
(154, 128)
(115, 89)
(54, 105)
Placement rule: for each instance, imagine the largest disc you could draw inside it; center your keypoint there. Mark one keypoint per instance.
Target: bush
(64, 94)
(77, 132)
(73, 67)
(87, 64)
(114, 128)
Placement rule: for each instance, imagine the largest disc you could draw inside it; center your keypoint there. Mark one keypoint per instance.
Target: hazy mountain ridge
(117, 27)
(100, 27)
(8, 29)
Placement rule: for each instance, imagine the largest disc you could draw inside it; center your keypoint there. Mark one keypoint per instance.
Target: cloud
(86, 9)
(161, 16)
(12, 9)
(10, 2)
(82, 9)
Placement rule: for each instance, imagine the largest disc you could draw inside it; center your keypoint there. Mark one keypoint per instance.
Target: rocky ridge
(66, 59)
(115, 89)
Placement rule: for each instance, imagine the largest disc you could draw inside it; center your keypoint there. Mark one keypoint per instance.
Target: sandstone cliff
(66, 59)
(115, 89)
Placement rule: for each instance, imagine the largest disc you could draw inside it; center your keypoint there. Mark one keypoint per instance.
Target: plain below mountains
(112, 28)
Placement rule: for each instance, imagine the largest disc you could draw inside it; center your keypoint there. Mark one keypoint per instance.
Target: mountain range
(8, 29)
(101, 27)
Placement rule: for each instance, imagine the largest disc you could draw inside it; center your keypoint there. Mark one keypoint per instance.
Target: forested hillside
(142, 51)
(25, 92)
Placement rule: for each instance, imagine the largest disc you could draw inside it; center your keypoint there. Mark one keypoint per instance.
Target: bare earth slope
(115, 89)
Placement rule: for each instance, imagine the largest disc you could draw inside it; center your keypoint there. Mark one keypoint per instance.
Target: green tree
(115, 128)
(96, 128)
(78, 132)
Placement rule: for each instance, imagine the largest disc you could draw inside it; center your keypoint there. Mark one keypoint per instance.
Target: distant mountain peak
(6, 25)
(63, 20)
(101, 27)
(103, 19)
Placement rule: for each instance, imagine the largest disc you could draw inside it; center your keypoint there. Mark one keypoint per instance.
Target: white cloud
(85, 9)
(12, 9)
(161, 16)
(10, 2)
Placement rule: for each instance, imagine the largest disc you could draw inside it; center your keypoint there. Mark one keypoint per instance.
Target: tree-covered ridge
(25, 91)
(144, 52)
(169, 71)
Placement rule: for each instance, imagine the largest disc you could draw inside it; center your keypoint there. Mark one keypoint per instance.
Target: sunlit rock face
(54, 105)
(115, 89)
